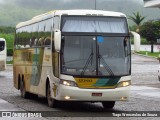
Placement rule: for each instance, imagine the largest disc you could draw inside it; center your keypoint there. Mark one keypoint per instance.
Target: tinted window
(56, 23)
(34, 39)
(2, 45)
(41, 33)
(48, 29)
(28, 35)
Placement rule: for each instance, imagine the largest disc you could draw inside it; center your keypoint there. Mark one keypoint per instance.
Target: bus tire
(108, 104)
(51, 102)
(23, 92)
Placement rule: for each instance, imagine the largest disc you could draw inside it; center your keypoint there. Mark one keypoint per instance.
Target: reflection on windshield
(91, 56)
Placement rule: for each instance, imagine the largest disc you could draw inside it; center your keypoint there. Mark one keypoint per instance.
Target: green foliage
(8, 34)
(9, 39)
(143, 41)
(7, 30)
(133, 28)
(155, 54)
(151, 31)
(9, 62)
(137, 18)
(9, 52)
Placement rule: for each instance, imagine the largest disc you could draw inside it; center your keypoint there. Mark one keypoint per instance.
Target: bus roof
(69, 12)
(2, 39)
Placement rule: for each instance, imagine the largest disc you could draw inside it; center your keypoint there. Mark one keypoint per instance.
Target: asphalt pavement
(144, 95)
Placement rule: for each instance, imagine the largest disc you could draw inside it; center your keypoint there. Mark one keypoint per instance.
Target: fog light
(67, 97)
(123, 98)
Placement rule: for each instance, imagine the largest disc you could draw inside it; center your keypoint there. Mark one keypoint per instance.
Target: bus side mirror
(57, 40)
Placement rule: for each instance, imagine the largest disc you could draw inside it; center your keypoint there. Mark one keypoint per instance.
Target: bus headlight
(124, 84)
(68, 83)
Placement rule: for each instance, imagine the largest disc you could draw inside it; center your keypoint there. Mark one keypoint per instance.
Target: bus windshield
(95, 56)
(2, 45)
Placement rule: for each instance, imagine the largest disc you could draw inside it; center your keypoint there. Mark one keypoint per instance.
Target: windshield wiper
(88, 61)
(105, 64)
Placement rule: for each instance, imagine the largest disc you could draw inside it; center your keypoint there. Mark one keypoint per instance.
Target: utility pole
(95, 5)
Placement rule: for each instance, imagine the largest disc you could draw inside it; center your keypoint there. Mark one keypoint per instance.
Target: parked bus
(74, 55)
(2, 54)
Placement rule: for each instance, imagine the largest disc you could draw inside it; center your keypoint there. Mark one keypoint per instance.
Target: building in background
(152, 3)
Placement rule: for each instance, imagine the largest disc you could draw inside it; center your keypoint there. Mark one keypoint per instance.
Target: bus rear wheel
(108, 104)
(23, 92)
(51, 102)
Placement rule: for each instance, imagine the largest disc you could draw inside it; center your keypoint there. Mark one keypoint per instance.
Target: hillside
(10, 17)
(15, 11)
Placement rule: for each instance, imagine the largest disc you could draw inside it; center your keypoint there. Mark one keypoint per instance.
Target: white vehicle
(74, 55)
(159, 73)
(159, 70)
(2, 54)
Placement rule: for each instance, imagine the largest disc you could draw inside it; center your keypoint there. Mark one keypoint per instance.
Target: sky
(61, 4)
(22, 10)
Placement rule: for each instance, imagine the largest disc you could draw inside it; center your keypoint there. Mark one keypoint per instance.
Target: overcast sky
(22, 10)
(63, 4)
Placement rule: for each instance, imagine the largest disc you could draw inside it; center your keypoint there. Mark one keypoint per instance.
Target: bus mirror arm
(57, 40)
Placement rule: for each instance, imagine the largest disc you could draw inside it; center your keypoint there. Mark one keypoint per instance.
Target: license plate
(97, 94)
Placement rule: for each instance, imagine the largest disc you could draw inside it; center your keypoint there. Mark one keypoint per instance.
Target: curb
(146, 56)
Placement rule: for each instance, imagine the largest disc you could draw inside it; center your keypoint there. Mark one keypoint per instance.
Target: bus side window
(24, 37)
(125, 42)
(48, 32)
(34, 34)
(41, 33)
(28, 36)
(56, 22)
(47, 41)
(19, 38)
(16, 38)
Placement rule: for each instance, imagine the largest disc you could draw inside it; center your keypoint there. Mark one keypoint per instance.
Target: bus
(74, 55)
(2, 54)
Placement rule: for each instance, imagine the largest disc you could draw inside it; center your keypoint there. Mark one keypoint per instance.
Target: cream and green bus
(74, 55)
(3, 54)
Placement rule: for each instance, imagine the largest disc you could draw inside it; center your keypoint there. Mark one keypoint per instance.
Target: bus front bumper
(68, 93)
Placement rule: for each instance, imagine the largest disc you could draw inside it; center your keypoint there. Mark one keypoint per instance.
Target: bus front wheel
(51, 102)
(108, 104)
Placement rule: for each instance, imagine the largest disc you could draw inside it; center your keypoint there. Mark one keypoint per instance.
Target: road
(145, 95)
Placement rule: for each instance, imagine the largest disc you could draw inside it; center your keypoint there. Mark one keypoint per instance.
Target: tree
(8, 29)
(137, 19)
(151, 31)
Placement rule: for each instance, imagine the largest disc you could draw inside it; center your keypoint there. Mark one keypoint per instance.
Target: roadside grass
(155, 54)
(9, 62)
